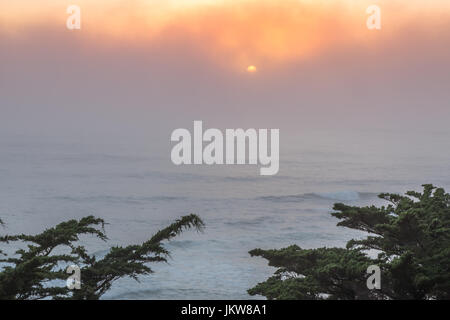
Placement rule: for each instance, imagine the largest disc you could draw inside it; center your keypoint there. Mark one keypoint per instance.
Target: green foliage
(411, 236)
(32, 273)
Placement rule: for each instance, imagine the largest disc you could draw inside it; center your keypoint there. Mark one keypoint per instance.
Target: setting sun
(251, 69)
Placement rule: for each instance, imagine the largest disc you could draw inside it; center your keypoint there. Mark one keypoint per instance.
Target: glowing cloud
(234, 32)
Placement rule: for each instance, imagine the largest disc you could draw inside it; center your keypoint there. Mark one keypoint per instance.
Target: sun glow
(240, 32)
(251, 69)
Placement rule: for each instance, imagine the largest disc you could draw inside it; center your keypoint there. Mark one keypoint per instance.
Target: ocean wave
(335, 196)
(118, 199)
(167, 293)
(254, 178)
(249, 222)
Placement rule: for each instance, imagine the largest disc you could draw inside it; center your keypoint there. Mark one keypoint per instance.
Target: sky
(142, 68)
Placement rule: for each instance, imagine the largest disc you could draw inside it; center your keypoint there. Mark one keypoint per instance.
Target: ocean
(137, 192)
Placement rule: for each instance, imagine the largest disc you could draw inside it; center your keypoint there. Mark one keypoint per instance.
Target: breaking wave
(335, 196)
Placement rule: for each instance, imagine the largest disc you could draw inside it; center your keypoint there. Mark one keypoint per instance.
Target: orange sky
(248, 29)
(315, 61)
(242, 31)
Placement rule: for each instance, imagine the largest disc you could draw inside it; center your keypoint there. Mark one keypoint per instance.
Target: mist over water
(137, 190)
(86, 117)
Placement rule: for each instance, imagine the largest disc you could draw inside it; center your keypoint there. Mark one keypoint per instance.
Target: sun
(251, 69)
